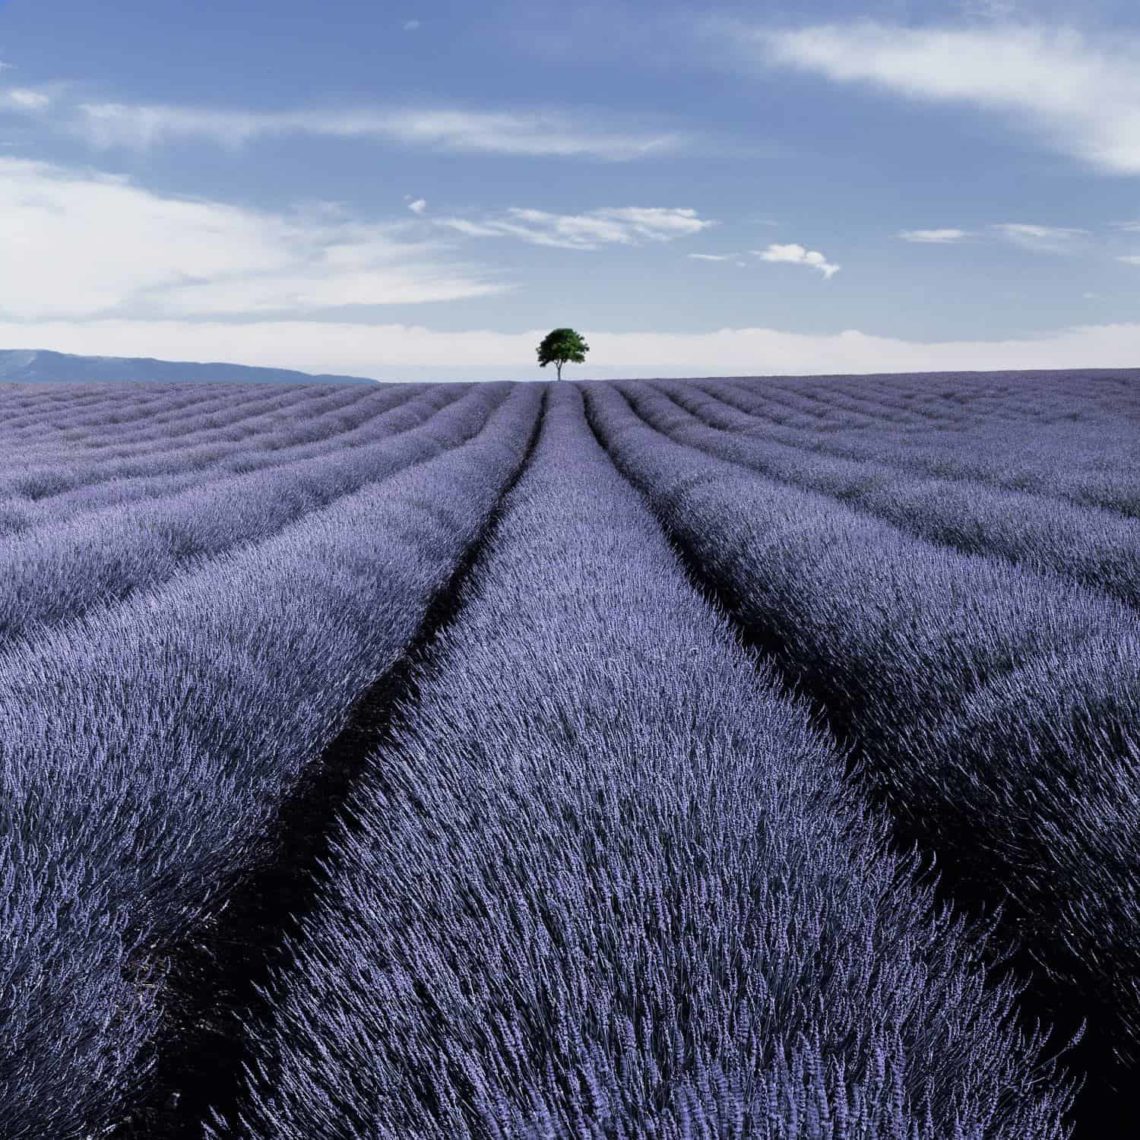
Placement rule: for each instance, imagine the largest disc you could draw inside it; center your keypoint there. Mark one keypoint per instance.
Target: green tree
(562, 346)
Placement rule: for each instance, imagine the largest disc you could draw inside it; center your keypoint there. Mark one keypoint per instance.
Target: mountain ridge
(42, 366)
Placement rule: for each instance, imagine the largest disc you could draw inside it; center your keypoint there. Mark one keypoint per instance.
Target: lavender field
(685, 760)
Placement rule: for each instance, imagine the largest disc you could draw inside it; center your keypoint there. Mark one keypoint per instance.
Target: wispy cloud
(1031, 236)
(418, 206)
(1041, 239)
(523, 133)
(934, 237)
(26, 99)
(536, 132)
(80, 245)
(794, 254)
(624, 225)
(1080, 95)
(714, 256)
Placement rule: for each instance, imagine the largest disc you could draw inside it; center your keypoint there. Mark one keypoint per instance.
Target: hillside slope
(23, 366)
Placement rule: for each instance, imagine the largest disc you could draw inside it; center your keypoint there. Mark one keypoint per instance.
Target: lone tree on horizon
(562, 346)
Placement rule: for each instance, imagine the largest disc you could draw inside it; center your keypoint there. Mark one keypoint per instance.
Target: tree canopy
(562, 346)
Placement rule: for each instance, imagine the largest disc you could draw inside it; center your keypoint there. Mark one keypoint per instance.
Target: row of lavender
(1091, 544)
(55, 571)
(1068, 437)
(626, 893)
(183, 453)
(147, 744)
(994, 709)
(916, 405)
(71, 434)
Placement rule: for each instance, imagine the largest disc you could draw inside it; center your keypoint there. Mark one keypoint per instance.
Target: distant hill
(27, 366)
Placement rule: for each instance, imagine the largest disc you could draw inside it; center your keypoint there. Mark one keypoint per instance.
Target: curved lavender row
(943, 400)
(32, 394)
(28, 401)
(21, 517)
(57, 573)
(222, 427)
(977, 444)
(608, 883)
(337, 432)
(165, 456)
(98, 408)
(350, 430)
(996, 711)
(987, 443)
(907, 406)
(1096, 548)
(145, 750)
(51, 420)
(113, 418)
(304, 415)
(386, 417)
(1041, 463)
(1082, 422)
(109, 404)
(225, 422)
(288, 400)
(285, 433)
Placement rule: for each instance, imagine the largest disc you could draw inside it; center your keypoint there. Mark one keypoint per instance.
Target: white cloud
(1079, 94)
(418, 205)
(624, 225)
(391, 351)
(713, 256)
(659, 223)
(1041, 239)
(1130, 258)
(934, 237)
(84, 244)
(527, 133)
(26, 99)
(794, 254)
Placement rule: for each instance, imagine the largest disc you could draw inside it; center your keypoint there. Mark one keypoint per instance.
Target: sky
(421, 190)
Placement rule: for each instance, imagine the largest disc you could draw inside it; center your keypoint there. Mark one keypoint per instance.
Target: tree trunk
(558, 369)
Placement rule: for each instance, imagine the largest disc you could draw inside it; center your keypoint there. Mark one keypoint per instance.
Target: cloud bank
(408, 352)
(1078, 94)
(81, 244)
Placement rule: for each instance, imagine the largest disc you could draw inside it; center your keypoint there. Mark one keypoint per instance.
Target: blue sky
(418, 190)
